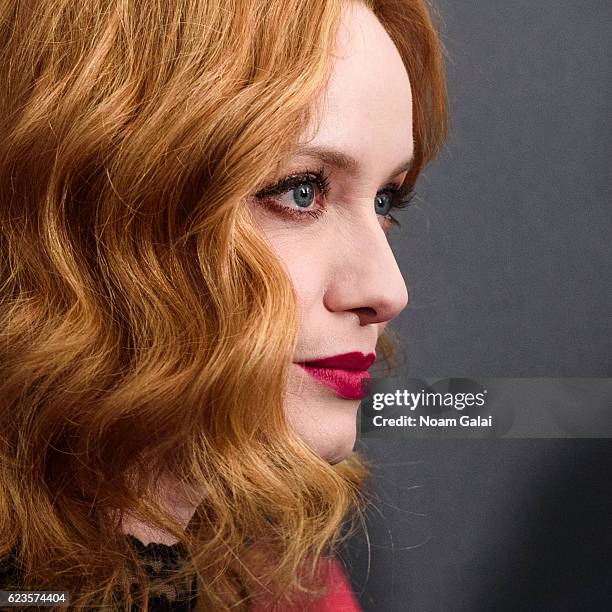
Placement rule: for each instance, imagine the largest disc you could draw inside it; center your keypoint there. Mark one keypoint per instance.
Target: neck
(175, 499)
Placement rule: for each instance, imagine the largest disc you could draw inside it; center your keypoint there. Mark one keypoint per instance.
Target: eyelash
(401, 197)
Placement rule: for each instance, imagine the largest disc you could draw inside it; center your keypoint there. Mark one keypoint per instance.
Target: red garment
(339, 596)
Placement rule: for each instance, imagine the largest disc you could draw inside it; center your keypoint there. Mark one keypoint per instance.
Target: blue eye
(303, 194)
(302, 189)
(383, 203)
(393, 197)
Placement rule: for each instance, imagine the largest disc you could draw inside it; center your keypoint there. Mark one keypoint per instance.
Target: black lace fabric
(161, 561)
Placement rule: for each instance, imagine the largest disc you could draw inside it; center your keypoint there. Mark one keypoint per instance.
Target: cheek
(304, 253)
(306, 265)
(308, 278)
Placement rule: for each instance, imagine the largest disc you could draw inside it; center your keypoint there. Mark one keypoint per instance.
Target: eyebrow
(343, 161)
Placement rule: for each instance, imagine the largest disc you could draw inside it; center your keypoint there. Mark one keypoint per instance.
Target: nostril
(364, 312)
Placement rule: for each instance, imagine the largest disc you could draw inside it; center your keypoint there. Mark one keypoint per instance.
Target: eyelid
(321, 177)
(290, 181)
(402, 194)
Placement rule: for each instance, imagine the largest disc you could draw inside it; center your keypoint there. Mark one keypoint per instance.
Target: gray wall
(508, 262)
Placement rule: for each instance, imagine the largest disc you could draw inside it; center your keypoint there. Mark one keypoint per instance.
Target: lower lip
(349, 384)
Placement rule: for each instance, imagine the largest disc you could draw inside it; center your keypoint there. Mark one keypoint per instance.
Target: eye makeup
(400, 196)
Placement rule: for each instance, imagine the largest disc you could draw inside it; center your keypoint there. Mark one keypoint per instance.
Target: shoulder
(339, 596)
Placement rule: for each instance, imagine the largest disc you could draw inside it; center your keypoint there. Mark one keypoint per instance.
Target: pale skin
(347, 280)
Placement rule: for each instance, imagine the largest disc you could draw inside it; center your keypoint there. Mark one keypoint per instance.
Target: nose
(365, 277)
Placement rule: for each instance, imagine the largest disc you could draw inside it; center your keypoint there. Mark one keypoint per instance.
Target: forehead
(367, 103)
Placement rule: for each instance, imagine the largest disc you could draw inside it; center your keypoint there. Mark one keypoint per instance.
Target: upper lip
(345, 361)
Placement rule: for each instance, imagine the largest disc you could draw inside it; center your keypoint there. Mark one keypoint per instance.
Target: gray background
(508, 263)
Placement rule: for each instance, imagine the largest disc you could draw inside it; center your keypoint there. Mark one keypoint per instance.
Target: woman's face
(337, 252)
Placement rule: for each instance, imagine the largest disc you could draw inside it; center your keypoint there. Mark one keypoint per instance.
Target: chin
(341, 457)
(335, 442)
(340, 446)
(322, 419)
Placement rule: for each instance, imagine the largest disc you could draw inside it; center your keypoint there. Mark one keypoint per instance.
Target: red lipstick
(346, 374)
